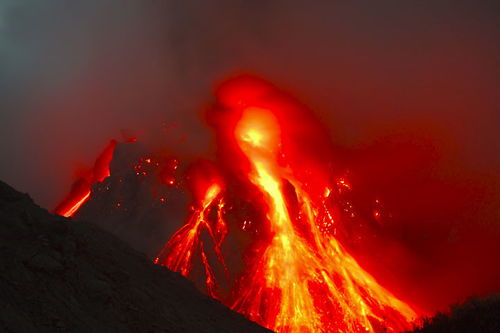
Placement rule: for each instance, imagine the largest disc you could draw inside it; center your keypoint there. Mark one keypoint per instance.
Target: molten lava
(299, 278)
(80, 192)
(179, 251)
(273, 156)
(304, 280)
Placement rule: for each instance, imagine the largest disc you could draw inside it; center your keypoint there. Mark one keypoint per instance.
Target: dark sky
(72, 74)
(407, 87)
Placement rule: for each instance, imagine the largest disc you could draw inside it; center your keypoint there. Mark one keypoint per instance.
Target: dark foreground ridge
(62, 276)
(481, 315)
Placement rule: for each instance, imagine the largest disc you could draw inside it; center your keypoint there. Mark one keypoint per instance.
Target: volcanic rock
(124, 204)
(475, 315)
(60, 275)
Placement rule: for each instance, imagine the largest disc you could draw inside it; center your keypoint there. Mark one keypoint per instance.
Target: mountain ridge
(60, 275)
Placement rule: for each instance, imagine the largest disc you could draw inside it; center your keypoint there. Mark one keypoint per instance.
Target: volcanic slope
(58, 275)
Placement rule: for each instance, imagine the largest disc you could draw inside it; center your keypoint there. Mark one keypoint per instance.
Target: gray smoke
(74, 73)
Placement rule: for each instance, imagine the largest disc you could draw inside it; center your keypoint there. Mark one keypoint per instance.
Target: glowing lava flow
(80, 192)
(183, 245)
(304, 281)
(299, 277)
(73, 209)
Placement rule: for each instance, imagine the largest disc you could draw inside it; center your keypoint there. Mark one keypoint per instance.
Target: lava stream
(179, 251)
(80, 192)
(304, 284)
(299, 277)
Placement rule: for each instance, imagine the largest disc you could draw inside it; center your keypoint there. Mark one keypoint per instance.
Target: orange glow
(306, 285)
(275, 161)
(179, 252)
(259, 128)
(77, 206)
(299, 278)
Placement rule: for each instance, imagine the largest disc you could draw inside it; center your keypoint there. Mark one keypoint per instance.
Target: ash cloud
(393, 80)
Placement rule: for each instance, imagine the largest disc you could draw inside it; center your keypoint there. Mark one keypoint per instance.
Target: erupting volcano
(276, 158)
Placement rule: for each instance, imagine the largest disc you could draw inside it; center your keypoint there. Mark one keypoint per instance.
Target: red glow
(275, 157)
(299, 277)
(185, 244)
(80, 191)
(77, 205)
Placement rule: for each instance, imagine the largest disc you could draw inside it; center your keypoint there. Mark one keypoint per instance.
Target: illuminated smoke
(300, 278)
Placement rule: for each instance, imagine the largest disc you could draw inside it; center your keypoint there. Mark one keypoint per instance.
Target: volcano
(268, 216)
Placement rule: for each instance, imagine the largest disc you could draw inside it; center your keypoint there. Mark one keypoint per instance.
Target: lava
(274, 156)
(299, 277)
(180, 250)
(81, 189)
(304, 281)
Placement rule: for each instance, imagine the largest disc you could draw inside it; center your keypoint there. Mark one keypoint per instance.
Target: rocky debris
(128, 205)
(59, 275)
